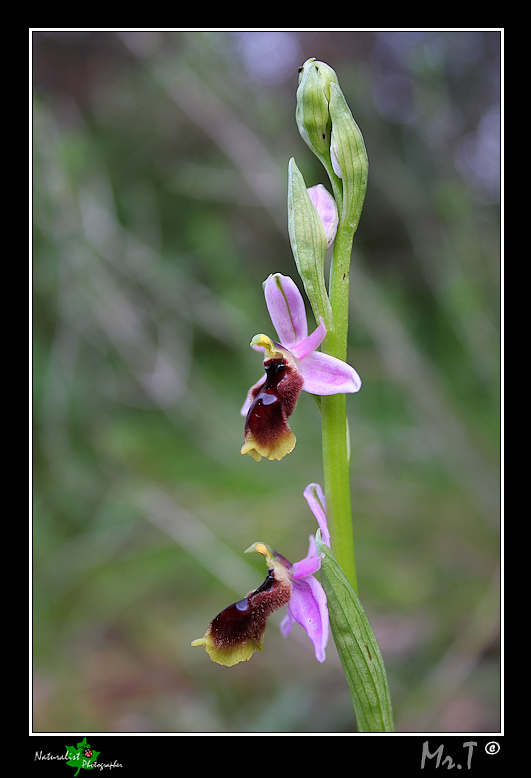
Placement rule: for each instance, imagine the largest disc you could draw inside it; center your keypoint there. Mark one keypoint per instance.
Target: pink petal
(316, 500)
(309, 344)
(307, 566)
(309, 608)
(286, 624)
(325, 375)
(327, 210)
(286, 308)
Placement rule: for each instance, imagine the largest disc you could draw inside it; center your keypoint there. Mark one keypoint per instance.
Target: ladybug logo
(88, 752)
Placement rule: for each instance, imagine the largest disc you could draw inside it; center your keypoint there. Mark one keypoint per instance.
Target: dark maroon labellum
(274, 401)
(245, 621)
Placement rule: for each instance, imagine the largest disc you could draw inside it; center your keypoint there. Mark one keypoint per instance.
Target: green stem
(336, 459)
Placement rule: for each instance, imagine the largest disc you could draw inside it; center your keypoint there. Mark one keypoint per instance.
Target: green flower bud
(313, 116)
(326, 124)
(308, 243)
(348, 157)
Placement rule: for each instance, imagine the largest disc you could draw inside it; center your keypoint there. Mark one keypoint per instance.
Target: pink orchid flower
(238, 631)
(292, 365)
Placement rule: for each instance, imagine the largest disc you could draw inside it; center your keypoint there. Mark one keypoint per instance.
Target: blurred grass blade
(357, 647)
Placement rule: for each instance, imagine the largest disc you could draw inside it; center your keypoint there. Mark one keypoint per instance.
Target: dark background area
(159, 208)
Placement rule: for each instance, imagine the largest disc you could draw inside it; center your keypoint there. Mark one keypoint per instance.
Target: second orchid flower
(238, 631)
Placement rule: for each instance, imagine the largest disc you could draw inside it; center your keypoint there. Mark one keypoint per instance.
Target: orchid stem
(336, 464)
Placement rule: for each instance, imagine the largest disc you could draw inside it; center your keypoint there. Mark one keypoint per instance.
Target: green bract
(357, 647)
(349, 158)
(308, 243)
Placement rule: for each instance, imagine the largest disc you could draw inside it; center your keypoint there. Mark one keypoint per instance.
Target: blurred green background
(159, 205)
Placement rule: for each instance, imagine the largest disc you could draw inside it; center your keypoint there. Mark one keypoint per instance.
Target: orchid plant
(316, 221)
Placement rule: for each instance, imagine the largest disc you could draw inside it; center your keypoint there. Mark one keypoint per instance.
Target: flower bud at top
(326, 124)
(327, 210)
(313, 96)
